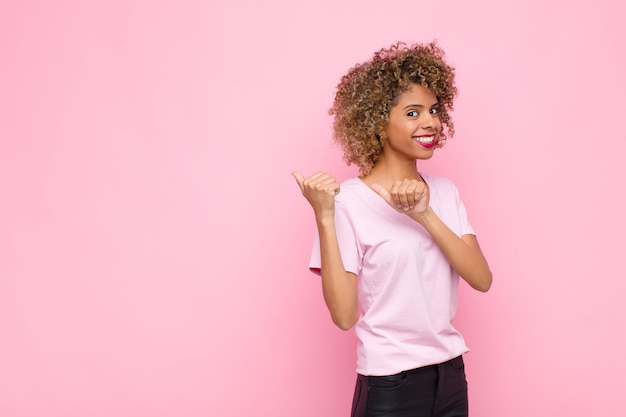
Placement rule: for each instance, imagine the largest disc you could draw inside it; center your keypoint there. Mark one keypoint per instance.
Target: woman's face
(414, 126)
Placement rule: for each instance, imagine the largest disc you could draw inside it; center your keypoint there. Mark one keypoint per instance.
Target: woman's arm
(412, 198)
(338, 286)
(463, 253)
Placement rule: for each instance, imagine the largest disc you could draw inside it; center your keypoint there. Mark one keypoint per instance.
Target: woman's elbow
(484, 284)
(345, 323)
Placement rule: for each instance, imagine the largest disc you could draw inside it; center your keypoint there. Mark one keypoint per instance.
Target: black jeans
(430, 391)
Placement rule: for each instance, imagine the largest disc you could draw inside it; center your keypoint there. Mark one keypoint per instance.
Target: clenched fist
(320, 190)
(410, 197)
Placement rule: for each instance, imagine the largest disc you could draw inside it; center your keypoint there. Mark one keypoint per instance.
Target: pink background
(153, 245)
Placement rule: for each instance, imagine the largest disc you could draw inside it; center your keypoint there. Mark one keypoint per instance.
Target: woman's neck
(385, 173)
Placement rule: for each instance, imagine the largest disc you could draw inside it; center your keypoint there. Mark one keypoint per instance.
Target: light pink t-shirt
(406, 288)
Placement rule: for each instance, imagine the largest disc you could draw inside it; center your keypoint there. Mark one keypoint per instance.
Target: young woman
(395, 240)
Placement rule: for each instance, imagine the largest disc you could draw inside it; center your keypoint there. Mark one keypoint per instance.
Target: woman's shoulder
(441, 186)
(354, 191)
(351, 187)
(437, 181)
(351, 183)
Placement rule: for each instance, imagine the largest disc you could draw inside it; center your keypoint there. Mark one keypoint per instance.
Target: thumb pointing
(299, 179)
(381, 192)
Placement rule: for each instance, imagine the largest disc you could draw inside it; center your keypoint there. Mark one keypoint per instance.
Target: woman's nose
(428, 121)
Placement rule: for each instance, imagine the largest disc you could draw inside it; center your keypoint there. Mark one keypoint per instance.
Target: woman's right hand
(320, 190)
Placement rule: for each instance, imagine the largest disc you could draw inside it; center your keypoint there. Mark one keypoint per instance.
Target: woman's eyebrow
(414, 105)
(420, 105)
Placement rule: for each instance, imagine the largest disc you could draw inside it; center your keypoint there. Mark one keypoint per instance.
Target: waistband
(457, 362)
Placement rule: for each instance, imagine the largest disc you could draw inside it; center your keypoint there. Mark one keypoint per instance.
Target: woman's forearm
(339, 287)
(463, 253)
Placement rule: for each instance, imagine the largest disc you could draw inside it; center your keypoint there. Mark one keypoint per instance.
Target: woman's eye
(434, 111)
(413, 114)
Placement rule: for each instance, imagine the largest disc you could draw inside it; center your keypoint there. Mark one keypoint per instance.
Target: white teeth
(425, 139)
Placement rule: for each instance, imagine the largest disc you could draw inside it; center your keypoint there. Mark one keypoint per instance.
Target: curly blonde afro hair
(369, 90)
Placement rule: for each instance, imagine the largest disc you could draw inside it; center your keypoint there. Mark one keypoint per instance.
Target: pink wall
(153, 245)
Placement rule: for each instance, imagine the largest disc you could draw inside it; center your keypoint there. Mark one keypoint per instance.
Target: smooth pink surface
(154, 247)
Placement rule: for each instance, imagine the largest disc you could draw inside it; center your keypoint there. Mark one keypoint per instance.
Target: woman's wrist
(325, 219)
(425, 217)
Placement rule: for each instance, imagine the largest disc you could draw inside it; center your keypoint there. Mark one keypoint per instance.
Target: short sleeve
(347, 240)
(466, 227)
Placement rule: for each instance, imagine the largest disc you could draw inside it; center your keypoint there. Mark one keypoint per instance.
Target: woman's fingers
(407, 193)
(299, 179)
(411, 196)
(319, 189)
(327, 184)
(396, 194)
(321, 182)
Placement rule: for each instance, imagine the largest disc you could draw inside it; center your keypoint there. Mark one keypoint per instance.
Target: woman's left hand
(410, 197)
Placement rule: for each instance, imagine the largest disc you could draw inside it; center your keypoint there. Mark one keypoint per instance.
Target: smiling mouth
(427, 141)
